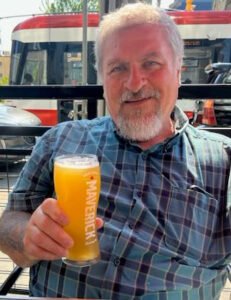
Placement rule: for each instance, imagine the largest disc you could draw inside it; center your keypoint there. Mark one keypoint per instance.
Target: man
(164, 209)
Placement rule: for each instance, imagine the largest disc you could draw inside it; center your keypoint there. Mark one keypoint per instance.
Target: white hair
(134, 14)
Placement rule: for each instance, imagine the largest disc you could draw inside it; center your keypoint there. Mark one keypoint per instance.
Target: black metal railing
(93, 93)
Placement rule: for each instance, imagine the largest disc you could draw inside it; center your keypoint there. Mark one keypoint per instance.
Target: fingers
(40, 247)
(51, 209)
(45, 237)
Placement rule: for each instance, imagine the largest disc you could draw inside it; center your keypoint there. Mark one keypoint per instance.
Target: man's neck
(166, 133)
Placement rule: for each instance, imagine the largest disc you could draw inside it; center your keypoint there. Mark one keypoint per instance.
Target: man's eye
(150, 63)
(117, 69)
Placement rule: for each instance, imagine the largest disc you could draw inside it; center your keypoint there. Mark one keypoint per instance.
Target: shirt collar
(180, 118)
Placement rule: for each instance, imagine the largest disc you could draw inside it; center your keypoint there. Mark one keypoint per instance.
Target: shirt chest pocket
(190, 223)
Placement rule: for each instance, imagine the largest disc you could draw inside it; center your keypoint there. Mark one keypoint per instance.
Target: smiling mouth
(136, 100)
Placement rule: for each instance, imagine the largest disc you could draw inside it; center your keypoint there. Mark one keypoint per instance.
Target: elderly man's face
(141, 80)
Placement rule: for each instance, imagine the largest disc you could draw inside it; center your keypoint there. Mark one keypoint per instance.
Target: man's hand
(45, 238)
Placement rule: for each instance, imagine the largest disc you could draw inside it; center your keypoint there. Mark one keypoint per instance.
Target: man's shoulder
(210, 148)
(202, 134)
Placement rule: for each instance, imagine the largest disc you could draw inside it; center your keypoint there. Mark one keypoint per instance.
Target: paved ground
(6, 265)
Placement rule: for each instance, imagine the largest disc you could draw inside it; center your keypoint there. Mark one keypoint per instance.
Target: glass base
(80, 263)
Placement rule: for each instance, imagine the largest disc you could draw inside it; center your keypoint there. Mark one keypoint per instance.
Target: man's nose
(135, 80)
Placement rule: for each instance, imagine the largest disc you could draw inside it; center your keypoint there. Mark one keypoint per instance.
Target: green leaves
(65, 6)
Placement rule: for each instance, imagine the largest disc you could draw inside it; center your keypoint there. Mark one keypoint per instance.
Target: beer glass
(77, 186)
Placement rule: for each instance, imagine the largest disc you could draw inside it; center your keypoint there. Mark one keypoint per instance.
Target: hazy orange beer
(77, 186)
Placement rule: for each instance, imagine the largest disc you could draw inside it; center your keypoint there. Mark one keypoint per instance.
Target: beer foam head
(80, 161)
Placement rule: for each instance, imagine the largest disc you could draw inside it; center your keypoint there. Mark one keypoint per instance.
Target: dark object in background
(220, 73)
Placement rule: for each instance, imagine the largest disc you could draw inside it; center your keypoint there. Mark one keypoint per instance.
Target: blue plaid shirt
(166, 210)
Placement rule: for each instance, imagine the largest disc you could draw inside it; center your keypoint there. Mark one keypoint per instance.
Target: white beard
(138, 125)
(138, 128)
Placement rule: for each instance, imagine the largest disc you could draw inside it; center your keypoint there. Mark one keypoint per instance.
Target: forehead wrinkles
(148, 44)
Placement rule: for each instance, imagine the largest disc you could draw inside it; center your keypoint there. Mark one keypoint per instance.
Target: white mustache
(142, 94)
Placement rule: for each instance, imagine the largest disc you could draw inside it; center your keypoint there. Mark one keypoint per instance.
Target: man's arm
(12, 228)
(27, 238)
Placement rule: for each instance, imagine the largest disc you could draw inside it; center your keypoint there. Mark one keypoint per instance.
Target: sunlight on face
(141, 80)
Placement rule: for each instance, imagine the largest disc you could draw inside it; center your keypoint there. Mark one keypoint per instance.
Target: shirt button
(131, 225)
(139, 194)
(166, 148)
(116, 261)
(143, 156)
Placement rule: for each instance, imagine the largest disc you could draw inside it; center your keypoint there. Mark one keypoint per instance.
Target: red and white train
(49, 47)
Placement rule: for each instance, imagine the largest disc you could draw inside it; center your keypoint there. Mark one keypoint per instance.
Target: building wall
(222, 4)
(4, 66)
